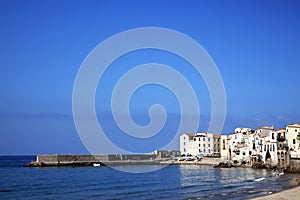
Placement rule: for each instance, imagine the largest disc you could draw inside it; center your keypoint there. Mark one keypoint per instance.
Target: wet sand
(289, 194)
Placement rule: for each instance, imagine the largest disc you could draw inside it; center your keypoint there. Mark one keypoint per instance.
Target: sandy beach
(289, 194)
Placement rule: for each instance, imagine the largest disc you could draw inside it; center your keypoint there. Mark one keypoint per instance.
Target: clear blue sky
(255, 45)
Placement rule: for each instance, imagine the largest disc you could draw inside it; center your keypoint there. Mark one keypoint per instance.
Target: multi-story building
(264, 130)
(224, 147)
(269, 153)
(217, 144)
(197, 144)
(293, 139)
(203, 144)
(186, 143)
(255, 147)
(239, 144)
(264, 145)
(283, 153)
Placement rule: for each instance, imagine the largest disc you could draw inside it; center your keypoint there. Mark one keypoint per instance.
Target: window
(208, 145)
(253, 146)
(250, 153)
(194, 139)
(209, 139)
(203, 150)
(199, 145)
(295, 130)
(294, 141)
(183, 143)
(184, 150)
(199, 139)
(208, 150)
(272, 136)
(203, 139)
(199, 150)
(264, 147)
(273, 147)
(244, 153)
(204, 145)
(184, 137)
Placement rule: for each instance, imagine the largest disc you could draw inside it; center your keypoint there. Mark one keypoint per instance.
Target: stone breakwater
(77, 160)
(59, 160)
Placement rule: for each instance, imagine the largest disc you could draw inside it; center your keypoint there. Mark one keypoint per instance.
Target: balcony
(280, 138)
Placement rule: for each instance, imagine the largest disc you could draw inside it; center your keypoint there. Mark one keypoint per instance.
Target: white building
(269, 152)
(197, 144)
(293, 138)
(186, 143)
(240, 144)
(264, 145)
(255, 147)
(264, 130)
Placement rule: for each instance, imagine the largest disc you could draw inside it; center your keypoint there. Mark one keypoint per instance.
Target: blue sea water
(171, 182)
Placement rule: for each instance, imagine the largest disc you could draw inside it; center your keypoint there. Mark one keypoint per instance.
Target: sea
(170, 182)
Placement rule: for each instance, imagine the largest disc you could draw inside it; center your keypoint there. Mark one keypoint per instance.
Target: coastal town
(264, 146)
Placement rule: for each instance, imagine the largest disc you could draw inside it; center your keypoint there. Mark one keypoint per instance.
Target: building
(186, 142)
(174, 153)
(224, 150)
(283, 153)
(269, 152)
(167, 153)
(199, 144)
(264, 131)
(264, 146)
(293, 139)
(217, 146)
(240, 145)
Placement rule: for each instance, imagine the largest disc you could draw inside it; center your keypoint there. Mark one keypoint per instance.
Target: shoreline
(292, 193)
(88, 160)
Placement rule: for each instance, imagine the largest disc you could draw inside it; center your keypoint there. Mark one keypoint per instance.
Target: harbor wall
(88, 159)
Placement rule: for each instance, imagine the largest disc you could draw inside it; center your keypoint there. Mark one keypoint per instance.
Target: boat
(260, 179)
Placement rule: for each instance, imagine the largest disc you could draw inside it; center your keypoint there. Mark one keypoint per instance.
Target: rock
(33, 164)
(225, 164)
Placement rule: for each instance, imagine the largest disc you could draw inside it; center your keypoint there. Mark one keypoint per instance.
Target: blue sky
(255, 45)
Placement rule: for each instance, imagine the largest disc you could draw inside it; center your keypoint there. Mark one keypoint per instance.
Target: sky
(254, 44)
